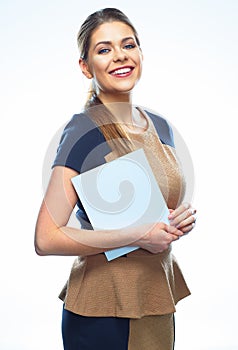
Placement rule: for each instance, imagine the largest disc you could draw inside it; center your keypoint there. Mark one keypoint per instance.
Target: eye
(103, 51)
(129, 46)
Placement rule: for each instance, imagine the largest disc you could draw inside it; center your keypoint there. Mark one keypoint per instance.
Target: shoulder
(162, 127)
(79, 124)
(76, 131)
(82, 145)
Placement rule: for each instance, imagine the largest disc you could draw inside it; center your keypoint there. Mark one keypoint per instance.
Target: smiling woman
(116, 64)
(127, 303)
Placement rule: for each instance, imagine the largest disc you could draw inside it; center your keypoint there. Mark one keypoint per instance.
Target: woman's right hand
(158, 237)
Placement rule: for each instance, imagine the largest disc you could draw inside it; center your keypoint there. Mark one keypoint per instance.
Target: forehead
(111, 31)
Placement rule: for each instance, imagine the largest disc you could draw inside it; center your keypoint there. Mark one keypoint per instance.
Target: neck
(111, 97)
(120, 106)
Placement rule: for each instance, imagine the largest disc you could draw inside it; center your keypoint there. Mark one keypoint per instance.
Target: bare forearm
(71, 241)
(61, 242)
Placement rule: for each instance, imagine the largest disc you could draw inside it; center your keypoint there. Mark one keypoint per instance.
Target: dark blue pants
(94, 333)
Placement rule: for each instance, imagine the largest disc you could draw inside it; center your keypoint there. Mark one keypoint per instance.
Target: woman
(127, 303)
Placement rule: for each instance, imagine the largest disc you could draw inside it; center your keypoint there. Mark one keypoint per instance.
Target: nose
(119, 55)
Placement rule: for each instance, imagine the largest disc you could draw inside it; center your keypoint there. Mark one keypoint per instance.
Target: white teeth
(122, 71)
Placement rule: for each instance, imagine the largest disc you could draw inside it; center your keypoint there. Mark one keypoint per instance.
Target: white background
(190, 77)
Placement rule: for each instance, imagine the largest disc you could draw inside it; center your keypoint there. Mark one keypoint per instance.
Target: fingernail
(193, 211)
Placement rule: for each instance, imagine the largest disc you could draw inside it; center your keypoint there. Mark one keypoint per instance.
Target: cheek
(99, 64)
(140, 64)
(138, 58)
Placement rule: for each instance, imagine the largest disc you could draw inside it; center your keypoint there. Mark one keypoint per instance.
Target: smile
(122, 72)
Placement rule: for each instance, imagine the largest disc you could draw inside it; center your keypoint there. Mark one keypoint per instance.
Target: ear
(85, 69)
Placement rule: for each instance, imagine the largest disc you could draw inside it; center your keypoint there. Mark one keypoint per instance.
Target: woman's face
(114, 61)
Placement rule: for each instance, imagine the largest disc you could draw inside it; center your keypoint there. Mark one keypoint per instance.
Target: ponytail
(114, 132)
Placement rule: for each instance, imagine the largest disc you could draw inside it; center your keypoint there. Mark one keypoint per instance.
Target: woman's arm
(54, 237)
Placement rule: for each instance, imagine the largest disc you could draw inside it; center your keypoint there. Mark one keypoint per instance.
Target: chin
(127, 88)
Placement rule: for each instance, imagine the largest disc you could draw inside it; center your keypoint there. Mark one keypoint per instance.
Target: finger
(183, 207)
(188, 228)
(169, 237)
(192, 211)
(189, 213)
(191, 219)
(175, 237)
(174, 231)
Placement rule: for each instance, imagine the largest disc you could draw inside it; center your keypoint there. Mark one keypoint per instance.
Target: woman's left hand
(183, 217)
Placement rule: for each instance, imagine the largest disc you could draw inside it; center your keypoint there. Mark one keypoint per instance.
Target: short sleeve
(82, 145)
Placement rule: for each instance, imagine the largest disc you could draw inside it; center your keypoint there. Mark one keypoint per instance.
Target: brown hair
(113, 132)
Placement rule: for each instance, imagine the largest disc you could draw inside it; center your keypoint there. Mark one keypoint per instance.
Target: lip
(122, 72)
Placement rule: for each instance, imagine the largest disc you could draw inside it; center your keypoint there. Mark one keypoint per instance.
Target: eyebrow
(106, 42)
